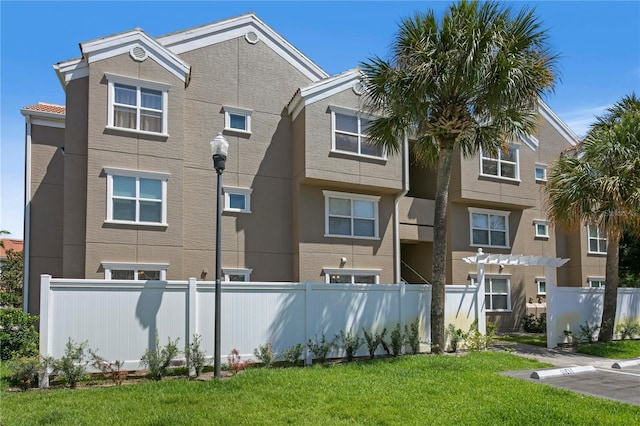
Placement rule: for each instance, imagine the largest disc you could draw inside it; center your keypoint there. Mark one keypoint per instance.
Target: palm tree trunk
(610, 288)
(439, 274)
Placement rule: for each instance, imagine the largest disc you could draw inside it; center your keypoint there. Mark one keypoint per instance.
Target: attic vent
(138, 53)
(252, 37)
(358, 88)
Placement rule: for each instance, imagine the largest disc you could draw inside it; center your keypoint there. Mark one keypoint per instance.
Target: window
(237, 274)
(489, 227)
(237, 199)
(351, 276)
(597, 240)
(541, 172)
(136, 197)
(237, 119)
(350, 215)
(496, 293)
(504, 164)
(595, 282)
(542, 285)
(542, 228)
(349, 133)
(137, 105)
(135, 271)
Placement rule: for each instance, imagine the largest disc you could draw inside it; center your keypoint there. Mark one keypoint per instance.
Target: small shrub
(159, 359)
(477, 341)
(24, 372)
(265, 354)
(320, 348)
(533, 324)
(293, 353)
(235, 362)
(73, 365)
(110, 370)
(397, 340)
(18, 336)
(195, 356)
(455, 336)
(627, 329)
(412, 336)
(374, 340)
(351, 343)
(588, 333)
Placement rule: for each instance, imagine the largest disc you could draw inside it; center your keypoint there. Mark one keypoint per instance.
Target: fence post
(307, 321)
(480, 305)
(401, 296)
(45, 320)
(552, 318)
(191, 319)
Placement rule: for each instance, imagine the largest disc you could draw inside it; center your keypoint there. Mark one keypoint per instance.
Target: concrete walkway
(555, 357)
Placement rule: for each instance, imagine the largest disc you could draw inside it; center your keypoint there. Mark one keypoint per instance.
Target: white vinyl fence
(119, 319)
(572, 307)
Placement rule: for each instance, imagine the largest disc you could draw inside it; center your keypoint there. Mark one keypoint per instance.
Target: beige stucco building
(120, 182)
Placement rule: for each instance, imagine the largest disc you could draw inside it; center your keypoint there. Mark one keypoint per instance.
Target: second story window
(597, 240)
(237, 199)
(503, 164)
(136, 197)
(351, 215)
(350, 134)
(137, 105)
(237, 119)
(489, 227)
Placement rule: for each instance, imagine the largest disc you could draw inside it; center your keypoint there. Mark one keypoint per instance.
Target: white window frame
(488, 279)
(599, 238)
(351, 272)
(227, 272)
(246, 113)
(137, 174)
(499, 161)
(114, 79)
(506, 214)
(232, 190)
(352, 197)
(359, 116)
(543, 167)
(539, 282)
(135, 267)
(544, 223)
(592, 280)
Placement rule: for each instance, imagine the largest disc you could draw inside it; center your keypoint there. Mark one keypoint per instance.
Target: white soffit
(322, 90)
(44, 118)
(109, 47)
(232, 28)
(547, 113)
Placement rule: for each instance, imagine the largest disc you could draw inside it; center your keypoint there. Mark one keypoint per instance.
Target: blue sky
(598, 41)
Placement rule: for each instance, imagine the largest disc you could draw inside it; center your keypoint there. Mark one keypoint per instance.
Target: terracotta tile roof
(45, 107)
(10, 244)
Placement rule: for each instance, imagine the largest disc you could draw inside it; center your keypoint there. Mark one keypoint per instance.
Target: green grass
(622, 349)
(411, 390)
(529, 339)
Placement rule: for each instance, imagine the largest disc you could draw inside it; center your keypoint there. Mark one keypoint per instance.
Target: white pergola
(481, 259)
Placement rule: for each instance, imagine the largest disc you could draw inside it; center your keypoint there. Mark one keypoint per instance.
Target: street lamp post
(219, 149)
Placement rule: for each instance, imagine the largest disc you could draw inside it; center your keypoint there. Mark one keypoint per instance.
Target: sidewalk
(555, 357)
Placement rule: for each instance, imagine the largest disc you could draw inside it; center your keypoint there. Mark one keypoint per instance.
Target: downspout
(27, 215)
(396, 222)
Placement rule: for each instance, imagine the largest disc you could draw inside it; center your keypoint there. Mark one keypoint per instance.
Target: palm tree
(599, 183)
(467, 81)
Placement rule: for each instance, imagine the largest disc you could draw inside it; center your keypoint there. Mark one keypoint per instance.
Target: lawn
(412, 390)
(529, 339)
(623, 349)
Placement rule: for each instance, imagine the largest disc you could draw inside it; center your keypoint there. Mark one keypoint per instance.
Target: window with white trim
(237, 274)
(349, 133)
(504, 163)
(137, 105)
(541, 172)
(136, 197)
(542, 285)
(237, 119)
(350, 215)
(135, 271)
(237, 199)
(597, 240)
(595, 282)
(489, 227)
(351, 276)
(497, 295)
(542, 228)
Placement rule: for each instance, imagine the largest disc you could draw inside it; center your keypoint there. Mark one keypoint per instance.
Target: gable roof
(241, 26)
(10, 244)
(565, 131)
(323, 89)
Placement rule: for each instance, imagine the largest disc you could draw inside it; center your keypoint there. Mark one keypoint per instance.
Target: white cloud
(580, 120)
